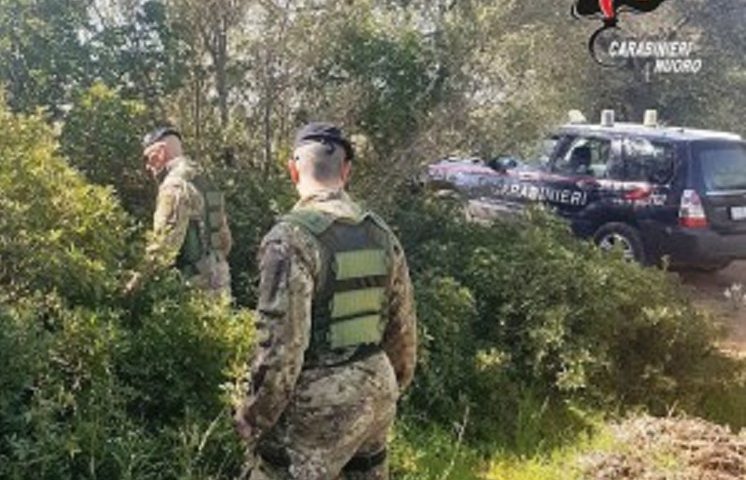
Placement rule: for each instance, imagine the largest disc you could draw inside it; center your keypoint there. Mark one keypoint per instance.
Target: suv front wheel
(622, 236)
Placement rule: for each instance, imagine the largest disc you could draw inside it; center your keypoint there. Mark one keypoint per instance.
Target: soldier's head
(322, 158)
(159, 147)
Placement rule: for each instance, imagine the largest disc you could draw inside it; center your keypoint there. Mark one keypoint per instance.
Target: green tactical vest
(349, 301)
(198, 243)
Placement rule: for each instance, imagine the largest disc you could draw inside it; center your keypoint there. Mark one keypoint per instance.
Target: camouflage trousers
(335, 426)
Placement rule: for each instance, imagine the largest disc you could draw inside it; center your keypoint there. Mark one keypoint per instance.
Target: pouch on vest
(200, 241)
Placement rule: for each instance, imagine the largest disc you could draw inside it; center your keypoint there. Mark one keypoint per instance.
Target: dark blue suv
(652, 191)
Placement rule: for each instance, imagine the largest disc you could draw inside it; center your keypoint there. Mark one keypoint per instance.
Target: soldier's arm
(283, 330)
(400, 338)
(225, 237)
(170, 224)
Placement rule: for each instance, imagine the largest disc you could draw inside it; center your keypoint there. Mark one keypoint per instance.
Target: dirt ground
(670, 449)
(709, 291)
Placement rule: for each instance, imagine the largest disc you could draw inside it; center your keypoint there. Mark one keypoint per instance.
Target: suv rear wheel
(620, 235)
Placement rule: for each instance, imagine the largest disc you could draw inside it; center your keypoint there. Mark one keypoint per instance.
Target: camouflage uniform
(179, 206)
(327, 422)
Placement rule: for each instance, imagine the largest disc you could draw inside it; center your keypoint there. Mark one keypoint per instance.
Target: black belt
(277, 458)
(358, 463)
(365, 463)
(363, 352)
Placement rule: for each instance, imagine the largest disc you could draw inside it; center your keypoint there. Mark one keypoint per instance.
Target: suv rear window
(723, 165)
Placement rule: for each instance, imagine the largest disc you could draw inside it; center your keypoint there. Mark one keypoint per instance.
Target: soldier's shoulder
(280, 232)
(173, 182)
(287, 231)
(296, 240)
(183, 170)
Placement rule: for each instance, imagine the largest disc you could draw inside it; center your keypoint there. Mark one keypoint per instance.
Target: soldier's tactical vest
(202, 237)
(350, 297)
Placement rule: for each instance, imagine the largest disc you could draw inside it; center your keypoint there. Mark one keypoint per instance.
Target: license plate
(738, 213)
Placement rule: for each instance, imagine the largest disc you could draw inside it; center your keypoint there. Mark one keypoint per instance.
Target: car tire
(627, 237)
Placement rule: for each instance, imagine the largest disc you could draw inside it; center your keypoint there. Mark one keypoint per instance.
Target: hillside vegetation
(524, 330)
(531, 341)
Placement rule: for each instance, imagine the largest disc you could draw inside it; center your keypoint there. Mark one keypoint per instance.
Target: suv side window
(646, 161)
(586, 156)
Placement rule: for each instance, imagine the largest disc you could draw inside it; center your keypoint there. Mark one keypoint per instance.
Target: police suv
(651, 191)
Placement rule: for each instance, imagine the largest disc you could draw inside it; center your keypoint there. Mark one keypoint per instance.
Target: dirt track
(708, 291)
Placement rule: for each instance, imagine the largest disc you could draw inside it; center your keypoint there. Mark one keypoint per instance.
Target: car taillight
(691, 212)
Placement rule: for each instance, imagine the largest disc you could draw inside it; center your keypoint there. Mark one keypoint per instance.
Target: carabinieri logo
(608, 11)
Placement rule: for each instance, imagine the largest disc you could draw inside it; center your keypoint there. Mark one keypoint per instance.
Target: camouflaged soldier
(336, 326)
(190, 229)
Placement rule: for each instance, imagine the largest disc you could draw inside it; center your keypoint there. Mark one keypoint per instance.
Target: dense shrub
(57, 231)
(253, 201)
(519, 318)
(94, 385)
(101, 137)
(518, 321)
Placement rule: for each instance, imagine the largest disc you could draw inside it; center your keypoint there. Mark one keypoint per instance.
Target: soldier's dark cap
(159, 134)
(325, 133)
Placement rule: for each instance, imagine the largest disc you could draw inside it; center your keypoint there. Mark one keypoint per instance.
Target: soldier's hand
(133, 284)
(242, 427)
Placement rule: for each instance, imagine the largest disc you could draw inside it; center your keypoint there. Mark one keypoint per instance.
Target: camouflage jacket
(179, 202)
(290, 263)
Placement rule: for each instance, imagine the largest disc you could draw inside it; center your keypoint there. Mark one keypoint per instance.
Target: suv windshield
(723, 165)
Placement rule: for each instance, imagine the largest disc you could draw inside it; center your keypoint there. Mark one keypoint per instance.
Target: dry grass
(670, 449)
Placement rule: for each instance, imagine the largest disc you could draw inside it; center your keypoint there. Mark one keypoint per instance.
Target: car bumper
(702, 248)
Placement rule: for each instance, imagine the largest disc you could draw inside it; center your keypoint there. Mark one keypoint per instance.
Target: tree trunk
(221, 66)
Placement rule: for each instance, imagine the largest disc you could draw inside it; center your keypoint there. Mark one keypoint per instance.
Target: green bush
(101, 137)
(519, 318)
(94, 396)
(58, 232)
(519, 322)
(94, 385)
(253, 201)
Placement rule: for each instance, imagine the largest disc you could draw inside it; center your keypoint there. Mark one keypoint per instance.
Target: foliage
(42, 56)
(102, 386)
(396, 76)
(114, 158)
(520, 323)
(102, 399)
(538, 319)
(139, 50)
(429, 452)
(53, 50)
(58, 232)
(254, 202)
